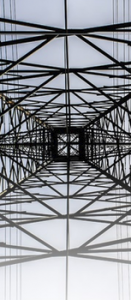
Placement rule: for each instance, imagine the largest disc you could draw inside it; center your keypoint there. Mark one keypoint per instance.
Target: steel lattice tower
(65, 143)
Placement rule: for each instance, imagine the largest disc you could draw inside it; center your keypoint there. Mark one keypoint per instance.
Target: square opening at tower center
(68, 144)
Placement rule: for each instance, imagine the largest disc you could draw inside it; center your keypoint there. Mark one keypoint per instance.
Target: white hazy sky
(88, 280)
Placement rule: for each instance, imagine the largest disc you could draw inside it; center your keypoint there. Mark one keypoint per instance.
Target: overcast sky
(45, 280)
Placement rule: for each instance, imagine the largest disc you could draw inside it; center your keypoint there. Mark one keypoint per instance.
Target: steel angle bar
(31, 174)
(110, 109)
(12, 187)
(104, 230)
(21, 77)
(115, 260)
(107, 38)
(97, 198)
(106, 209)
(107, 96)
(113, 178)
(24, 40)
(15, 63)
(22, 109)
(28, 24)
(31, 115)
(99, 220)
(27, 259)
(19, 186)
(27, 193)
(29, 94)
(106, 28)
(32, 249)
(121, 64)
(13, 224)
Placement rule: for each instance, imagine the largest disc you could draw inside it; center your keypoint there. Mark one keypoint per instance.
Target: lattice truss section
(65, 141)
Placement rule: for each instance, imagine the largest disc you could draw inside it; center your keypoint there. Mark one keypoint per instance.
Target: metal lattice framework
(65, 142)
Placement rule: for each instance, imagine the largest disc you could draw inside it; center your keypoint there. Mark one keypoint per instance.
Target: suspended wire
(123, 123)
(5, 56)
(13, 178)
(115, 11)
(3, 182)
(126, 17)
(115, 82)
(67, 101)
(129, 277)
(9, 8)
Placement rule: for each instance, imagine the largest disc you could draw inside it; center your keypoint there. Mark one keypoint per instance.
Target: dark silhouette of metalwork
(65, 143)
